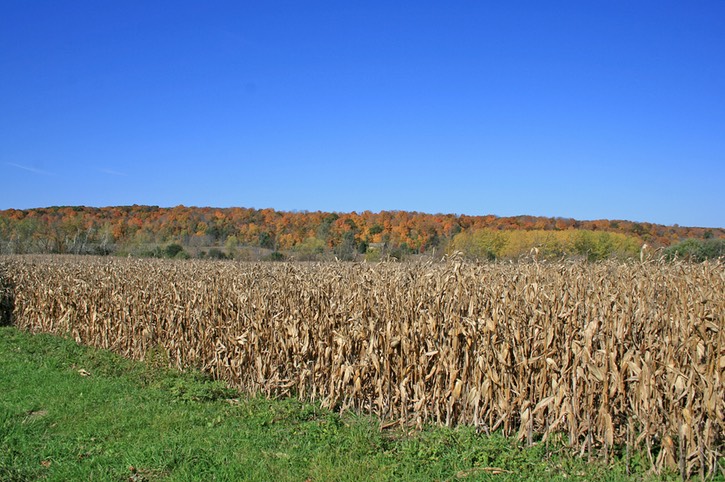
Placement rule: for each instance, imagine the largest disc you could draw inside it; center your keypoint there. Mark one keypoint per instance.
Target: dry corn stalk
(607, 353)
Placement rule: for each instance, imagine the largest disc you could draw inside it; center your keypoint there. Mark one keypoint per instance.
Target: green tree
(325, 227)
(585, 245)
(266, 240)
(697, 250)
(232, 246)
(376, 229)
(173, 250)
(310, 249)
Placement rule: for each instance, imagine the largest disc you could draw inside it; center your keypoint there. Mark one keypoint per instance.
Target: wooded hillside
(141, 229)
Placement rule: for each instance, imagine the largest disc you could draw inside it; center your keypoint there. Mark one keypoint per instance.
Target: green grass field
(69, 412)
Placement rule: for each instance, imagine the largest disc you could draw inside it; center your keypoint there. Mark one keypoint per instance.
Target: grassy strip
(69, 412)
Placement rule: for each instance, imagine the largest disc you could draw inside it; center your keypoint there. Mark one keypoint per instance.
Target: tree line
(248, 233)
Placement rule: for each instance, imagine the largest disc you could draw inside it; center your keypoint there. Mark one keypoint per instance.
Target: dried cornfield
(614, 356)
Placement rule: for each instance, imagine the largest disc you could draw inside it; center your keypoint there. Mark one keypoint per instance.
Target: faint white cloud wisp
(30, 169)
(111, 172)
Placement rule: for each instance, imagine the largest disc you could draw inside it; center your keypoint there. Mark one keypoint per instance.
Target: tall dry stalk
(610, 354)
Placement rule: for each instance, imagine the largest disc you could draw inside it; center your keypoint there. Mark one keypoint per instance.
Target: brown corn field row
(612, 355)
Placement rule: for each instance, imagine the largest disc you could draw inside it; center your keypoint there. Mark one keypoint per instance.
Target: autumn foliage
(126, 228)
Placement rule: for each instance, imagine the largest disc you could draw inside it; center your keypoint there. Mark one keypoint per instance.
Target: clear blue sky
(584, 109)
